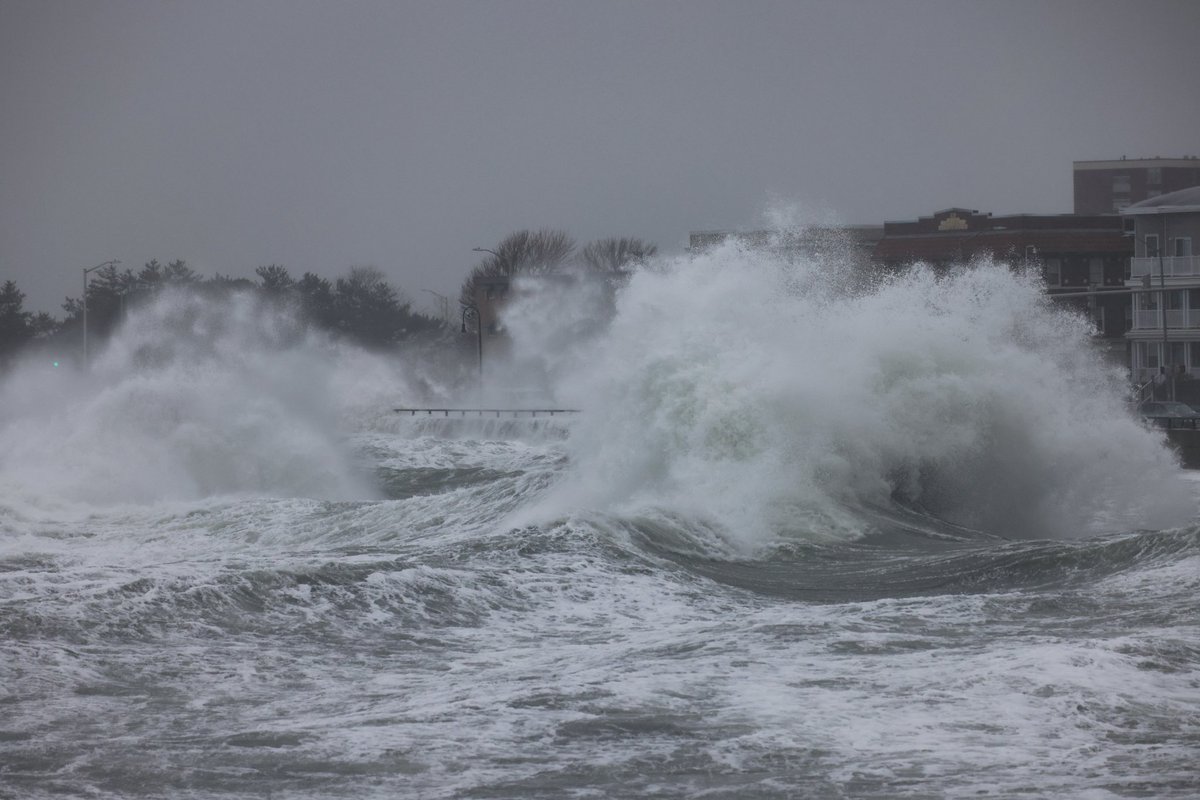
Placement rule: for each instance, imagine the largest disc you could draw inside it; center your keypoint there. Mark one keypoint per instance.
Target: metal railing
(1177, 318)
(1174, 423)
(1172, 266)
(479, 412)
(1141, 394)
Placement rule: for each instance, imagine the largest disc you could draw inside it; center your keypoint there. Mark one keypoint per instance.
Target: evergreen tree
(368, 309)
(15, 321)
(274, 279)
(316, 300)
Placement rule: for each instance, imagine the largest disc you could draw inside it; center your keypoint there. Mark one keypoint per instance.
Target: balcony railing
(1177, 318)
(1172, 266)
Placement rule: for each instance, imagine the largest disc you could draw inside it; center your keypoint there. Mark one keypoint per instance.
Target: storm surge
(191, 398)
(785, 399)
(762, 561)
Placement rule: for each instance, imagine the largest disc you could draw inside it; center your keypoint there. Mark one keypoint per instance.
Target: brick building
(1106, 187)
(1076, 253)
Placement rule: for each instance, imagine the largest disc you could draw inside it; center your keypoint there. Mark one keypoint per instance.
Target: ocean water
(805, 539)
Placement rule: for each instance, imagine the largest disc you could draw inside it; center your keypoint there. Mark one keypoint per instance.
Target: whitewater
(809, 535)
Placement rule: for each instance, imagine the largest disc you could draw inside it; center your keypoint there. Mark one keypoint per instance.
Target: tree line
(360, 306)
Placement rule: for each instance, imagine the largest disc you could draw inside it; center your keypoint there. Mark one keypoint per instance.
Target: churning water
(805, 540)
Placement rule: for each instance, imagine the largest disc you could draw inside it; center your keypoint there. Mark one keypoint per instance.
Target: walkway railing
(1141, 394)
(481, 412)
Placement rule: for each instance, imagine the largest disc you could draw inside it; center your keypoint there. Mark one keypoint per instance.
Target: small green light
(56, 363)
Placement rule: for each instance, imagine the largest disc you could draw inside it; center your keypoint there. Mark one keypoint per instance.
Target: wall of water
(784, 397)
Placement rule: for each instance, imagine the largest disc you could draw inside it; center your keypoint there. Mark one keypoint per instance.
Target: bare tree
(522, 253)
(616, 255)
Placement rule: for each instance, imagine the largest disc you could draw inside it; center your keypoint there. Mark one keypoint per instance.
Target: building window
(1176, 353)
(1053, 272)
(1152, 245)
(1030, 252)
(1154, 175)
(1096, 271)
(1183, 246)
(1120, 184)
(1194, 347)
(1149, 353)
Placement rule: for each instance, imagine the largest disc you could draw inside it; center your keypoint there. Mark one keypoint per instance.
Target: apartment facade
(1107, 187)
(1165, 330)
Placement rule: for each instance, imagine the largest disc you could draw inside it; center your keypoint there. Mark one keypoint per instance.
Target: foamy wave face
(768, 396)
(191, 398)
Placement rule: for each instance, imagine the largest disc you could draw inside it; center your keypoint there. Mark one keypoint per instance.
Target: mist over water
(191, 398)
(773, 397)
(809, 536)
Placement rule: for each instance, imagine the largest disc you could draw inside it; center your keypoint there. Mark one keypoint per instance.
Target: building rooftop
(1184, 200)
(1156, 161)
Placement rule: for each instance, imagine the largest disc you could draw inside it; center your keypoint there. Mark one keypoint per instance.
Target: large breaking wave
(776, 398)
(755, 398)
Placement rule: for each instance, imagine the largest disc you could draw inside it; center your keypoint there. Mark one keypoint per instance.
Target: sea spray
(194, 397)
(767, 393)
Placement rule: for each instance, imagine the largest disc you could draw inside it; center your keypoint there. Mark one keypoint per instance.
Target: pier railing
(487, 412)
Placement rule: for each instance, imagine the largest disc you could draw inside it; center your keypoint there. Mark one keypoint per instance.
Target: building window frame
(1150, 353)
(1151, 245)
(1052, 271)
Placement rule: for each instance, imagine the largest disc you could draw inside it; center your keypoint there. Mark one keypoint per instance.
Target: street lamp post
(444, 305)
(86, 270)
(470, 309)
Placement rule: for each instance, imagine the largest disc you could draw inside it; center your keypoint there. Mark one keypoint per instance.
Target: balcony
(1173, 266)
(1177, 319)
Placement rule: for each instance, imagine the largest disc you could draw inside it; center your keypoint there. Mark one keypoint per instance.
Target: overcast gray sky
(323, 135)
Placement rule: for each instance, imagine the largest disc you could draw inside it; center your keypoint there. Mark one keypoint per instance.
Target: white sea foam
(779, 396)
(192, 398)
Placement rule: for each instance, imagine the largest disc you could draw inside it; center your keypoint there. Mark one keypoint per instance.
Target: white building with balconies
(1165, 329)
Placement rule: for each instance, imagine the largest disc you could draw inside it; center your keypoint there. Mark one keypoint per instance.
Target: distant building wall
(1075, 253)
(1105, 187)
(1166, 330)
